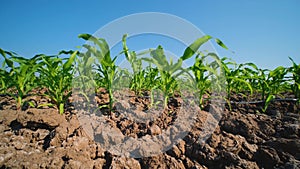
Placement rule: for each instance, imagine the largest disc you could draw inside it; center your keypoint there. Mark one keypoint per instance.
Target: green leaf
(294, 64)
(89, 62)
(45, 104)
(125, 48)
(101, 43)
(193, 48)
(70, 61)
(66, 52)
(104, 48)
(243, 81)
(7, 61)
(251, 65)
(175, 67)
(267, 102)
(159, 57)
(31, 104)
(220, 43)
(150, 60)
(85, 36)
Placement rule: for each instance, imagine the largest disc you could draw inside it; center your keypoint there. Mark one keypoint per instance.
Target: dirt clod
(42, 138)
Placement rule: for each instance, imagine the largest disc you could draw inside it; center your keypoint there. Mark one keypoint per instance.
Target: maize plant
(295, 86)
(21, 77)
(105, 67)
(56, 76)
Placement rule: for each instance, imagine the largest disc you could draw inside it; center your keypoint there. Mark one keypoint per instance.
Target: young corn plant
(168, 72)
(84, 68)
(136, 64)
(295, 86)
(56, 76)
(233, 77)
(276, 82)
(209, 78)
(142, 79)
(270, 83)
(243, 85)
(4, 74)
(4, 81)
(204, 73)
(150, 78)
(202, 83)
(249, 72)
(85, 81)
(21, 78)
(260, 80)
(263, 82)
(106, 67)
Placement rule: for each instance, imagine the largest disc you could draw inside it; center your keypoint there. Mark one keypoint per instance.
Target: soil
(244, 137)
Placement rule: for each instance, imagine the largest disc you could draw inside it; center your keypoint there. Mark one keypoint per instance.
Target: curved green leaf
(193, 48)
(70, 61)
(220, 43)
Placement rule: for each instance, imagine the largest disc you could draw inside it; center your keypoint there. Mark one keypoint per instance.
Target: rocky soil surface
(42, 138)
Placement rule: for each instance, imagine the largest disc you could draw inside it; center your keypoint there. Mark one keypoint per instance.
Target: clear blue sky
(265, 32)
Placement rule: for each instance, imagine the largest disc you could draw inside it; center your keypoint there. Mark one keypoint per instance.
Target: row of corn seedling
(94, 67)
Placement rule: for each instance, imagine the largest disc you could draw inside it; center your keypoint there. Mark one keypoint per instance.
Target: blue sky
(265, 32)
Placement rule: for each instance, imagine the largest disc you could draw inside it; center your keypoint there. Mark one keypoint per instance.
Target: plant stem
(19, 105)
(61, 108)
(166, 101)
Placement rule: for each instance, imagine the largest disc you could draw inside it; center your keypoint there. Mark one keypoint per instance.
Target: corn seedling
(136, 64)
(105, 67)
(4, 79)
(167, 71)
(21, 77)
(201, 76)
(56, 76)
(295, 86)
(233, 76)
